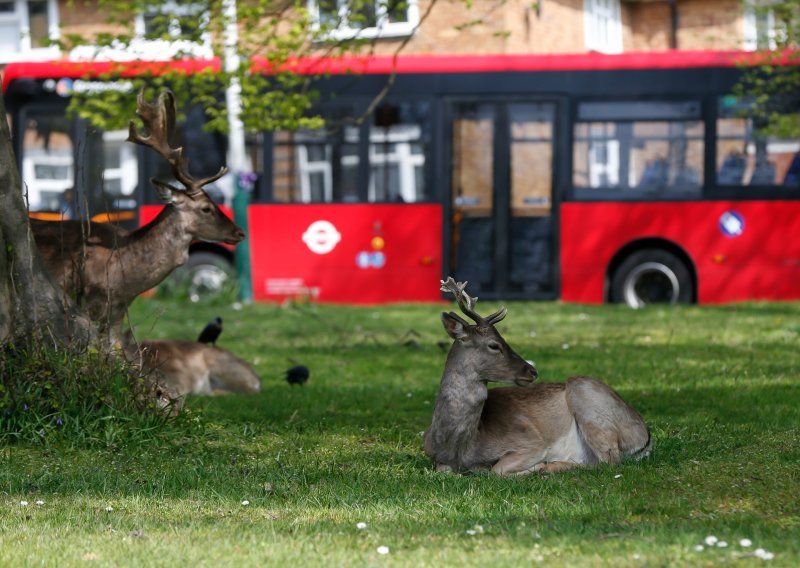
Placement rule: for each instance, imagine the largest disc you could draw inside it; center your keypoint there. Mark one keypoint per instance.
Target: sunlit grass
(719, 386)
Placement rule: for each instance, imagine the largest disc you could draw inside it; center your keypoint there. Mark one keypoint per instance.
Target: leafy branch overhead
(272, 33)
(772, 87)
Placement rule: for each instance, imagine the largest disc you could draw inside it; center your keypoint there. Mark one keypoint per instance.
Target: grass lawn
(719, 387)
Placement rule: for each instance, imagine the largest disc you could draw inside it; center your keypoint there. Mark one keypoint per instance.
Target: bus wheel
(207, 274)
(651, 276)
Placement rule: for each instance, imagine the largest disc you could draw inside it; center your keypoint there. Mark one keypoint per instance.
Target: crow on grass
(297, 375)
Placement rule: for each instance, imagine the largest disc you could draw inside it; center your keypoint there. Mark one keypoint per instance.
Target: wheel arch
(649, 243)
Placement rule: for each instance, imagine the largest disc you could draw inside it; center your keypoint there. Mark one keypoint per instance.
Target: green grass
(719, 386)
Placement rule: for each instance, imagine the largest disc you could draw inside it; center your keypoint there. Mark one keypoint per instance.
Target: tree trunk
(31, 303)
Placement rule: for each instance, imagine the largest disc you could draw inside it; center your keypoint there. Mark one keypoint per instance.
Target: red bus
(636, 178)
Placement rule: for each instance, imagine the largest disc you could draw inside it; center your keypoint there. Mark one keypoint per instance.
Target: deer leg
(608, 425)
(554, 467)
(515, 463)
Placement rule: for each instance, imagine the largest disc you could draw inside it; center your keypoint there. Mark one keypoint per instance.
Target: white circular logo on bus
(321, 237)
(731, 223)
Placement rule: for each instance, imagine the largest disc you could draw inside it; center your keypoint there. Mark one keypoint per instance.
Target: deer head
(479, 346)
(201, 218)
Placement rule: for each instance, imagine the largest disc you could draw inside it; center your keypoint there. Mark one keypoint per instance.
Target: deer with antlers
(104, 268)
(527, 428)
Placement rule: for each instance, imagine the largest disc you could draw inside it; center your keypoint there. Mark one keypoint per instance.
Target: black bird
(211, 332)
(297, 375)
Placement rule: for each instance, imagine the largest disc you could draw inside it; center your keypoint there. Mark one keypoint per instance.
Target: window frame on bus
(361, 130)
(682, 109)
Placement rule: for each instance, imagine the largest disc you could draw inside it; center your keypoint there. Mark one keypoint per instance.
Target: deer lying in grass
(104, 268)
(188, 367)
(533, 427)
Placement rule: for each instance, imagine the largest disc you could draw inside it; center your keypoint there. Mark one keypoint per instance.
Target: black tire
(206, 274)
(652, 276)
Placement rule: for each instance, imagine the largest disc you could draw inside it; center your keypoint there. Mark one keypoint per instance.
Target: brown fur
(103, 268)
(534, 427)
(188, 367)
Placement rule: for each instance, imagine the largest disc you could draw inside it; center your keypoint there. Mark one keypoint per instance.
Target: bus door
(502, 231)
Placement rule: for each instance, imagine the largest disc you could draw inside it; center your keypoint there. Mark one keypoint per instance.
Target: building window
(603, 26)
(171, 28)
(760, 31)
(364, 19)
(638, 149)
(26, 26)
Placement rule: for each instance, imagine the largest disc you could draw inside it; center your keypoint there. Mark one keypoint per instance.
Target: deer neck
(457, 416)
(155, 250)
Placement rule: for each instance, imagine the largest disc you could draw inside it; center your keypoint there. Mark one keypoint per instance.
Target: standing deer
(524, 429)
(104, 268)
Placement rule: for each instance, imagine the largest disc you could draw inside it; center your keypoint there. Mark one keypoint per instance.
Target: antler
(159, 121)
(467, 304)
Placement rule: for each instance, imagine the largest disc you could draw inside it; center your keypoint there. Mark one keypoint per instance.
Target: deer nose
(238, 236)
(532, 372)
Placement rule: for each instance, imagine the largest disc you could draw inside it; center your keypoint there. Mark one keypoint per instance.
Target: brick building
(502, 27)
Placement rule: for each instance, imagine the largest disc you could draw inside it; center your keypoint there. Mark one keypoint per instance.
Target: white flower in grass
(746, 543)
(383, 550)
(722, 544)
(618, 476)
(699, 548)
(23, 503)
(109, 509)
(471, 532)
(565, 346)
(711, 540)
(361, 526)
(245, 503)
(764, 554)
(40, 502)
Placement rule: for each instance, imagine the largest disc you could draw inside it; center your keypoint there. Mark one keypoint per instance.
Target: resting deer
(188, 367)
(104, 268)
(532, 427)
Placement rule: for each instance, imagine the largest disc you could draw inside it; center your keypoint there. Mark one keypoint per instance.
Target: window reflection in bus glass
(640, 156)
(531, 158)
(315, 166)
(47, 164)
(473, 165)
(748, 156)
(398, 139)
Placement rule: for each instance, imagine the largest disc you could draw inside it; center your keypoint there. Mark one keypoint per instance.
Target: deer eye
(206, 209)
(494, 346)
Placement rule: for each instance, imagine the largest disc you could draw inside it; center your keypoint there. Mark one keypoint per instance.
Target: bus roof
(403, 64)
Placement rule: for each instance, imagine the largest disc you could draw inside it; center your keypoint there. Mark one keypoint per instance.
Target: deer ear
(166, 192)
(454, 326)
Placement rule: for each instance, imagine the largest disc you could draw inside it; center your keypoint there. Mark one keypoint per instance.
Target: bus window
(747, 157)
(315, 166)
(48, 163)
(120, 172)
(398, 142)
(638, 149)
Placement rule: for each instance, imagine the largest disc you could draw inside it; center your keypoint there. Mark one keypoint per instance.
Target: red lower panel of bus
(359, 253)
(741, 250)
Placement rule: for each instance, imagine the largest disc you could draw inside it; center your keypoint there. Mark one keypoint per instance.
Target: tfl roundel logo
(731, 223)
(321, 237)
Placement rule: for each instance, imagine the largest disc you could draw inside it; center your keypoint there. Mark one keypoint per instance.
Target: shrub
(48, 394)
